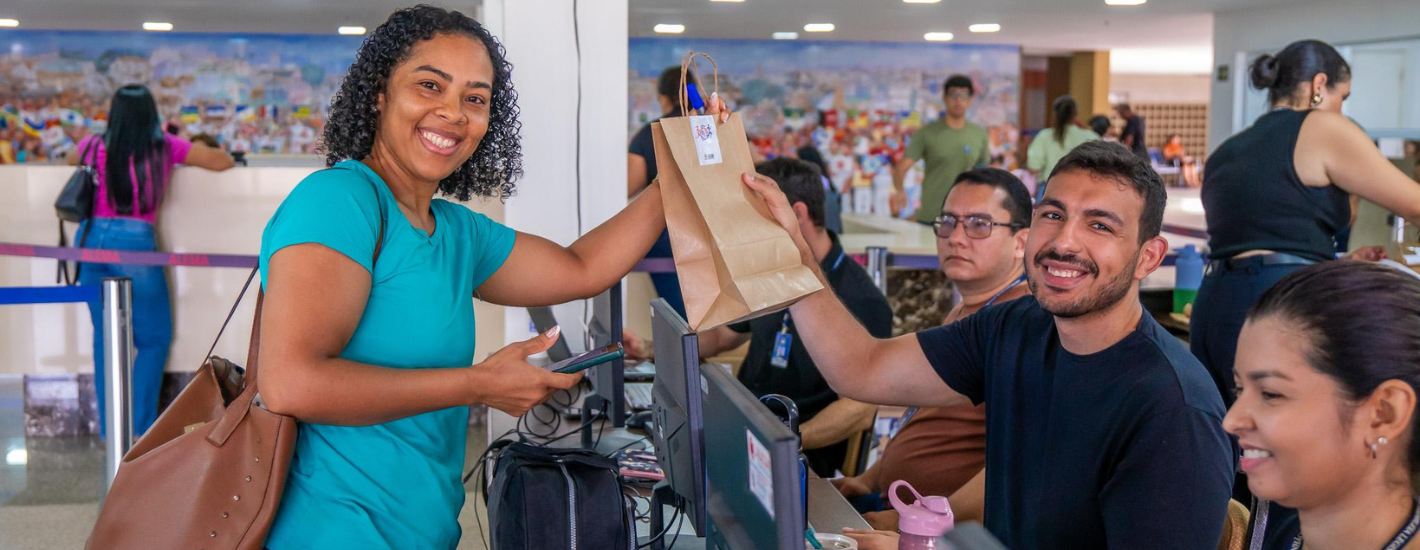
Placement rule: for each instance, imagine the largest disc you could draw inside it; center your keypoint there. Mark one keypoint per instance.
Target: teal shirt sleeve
(493, 243)
(337, 208)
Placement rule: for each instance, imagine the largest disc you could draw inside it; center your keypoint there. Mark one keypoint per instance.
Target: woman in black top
(1275, 196)
(1277, 193)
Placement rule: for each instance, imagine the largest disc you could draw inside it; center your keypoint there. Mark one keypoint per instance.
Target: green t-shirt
(948, 153)
(1046, 151)
(397, 484)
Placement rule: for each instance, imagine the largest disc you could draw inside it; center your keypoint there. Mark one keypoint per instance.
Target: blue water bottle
(1188, 276)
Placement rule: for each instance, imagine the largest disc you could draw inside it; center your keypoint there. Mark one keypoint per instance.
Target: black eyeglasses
(977, 227)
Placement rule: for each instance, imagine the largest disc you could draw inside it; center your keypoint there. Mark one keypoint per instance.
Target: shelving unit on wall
(1188, 120)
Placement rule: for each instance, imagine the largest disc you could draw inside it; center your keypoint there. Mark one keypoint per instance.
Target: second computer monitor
(752, 466)
(604, 329)
(678, 430)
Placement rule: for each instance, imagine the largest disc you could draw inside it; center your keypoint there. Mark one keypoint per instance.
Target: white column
(543, 49)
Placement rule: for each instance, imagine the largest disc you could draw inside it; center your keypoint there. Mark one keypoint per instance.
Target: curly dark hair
(350, 130)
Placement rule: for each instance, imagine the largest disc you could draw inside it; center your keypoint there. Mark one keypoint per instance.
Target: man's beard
(1112, 293)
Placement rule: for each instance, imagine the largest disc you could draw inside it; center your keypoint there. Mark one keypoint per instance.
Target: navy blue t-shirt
(1123, 448)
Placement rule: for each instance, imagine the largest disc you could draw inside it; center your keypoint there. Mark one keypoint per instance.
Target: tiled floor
(50, 487)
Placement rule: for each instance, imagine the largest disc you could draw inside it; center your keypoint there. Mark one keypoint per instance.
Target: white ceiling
(1040, 26)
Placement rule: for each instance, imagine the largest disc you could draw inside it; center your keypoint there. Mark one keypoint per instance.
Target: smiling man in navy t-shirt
(1102, 430)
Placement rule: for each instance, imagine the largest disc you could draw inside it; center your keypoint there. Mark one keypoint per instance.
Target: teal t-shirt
(397, 484)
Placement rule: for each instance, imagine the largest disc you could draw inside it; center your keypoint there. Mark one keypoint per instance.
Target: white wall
(1271, 28)
(1159, 88)
(538, 35)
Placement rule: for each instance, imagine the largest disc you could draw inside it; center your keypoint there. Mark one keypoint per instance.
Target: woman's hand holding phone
(507, 382)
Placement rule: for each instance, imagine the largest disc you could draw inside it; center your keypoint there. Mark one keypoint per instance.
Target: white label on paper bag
(761, 478)
(707, 141)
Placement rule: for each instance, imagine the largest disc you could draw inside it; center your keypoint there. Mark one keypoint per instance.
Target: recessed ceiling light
(157, 26)
(984, 27)
(17, 457)
(790, 35)
(729, 1)
(354, 30)
(1125, 2)
(819, 27)
(668, 28)
(938, 36)
(920, 1)
(9, 22)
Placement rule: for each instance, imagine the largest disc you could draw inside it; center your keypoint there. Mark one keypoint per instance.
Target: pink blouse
(177, 154)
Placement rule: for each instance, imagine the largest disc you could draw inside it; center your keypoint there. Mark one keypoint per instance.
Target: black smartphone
(588, 360)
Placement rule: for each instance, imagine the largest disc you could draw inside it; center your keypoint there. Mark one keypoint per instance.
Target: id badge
(782, 342)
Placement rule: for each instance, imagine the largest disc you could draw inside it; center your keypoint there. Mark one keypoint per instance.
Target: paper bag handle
(689, 68)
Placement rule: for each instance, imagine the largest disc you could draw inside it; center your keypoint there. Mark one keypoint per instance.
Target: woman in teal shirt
(373, 357)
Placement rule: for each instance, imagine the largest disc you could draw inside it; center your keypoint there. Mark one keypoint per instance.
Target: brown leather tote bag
(209, 474)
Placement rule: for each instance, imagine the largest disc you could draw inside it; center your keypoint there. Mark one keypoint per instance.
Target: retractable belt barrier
(177, 259)
(49, 294)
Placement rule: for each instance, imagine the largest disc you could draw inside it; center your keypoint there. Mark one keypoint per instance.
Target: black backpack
(543, 498)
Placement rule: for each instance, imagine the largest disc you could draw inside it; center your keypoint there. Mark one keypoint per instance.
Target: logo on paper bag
(707, 143)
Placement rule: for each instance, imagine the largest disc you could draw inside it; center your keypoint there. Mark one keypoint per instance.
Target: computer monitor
(752, 467)
(609, 392)
(679, 429)
(543, 319)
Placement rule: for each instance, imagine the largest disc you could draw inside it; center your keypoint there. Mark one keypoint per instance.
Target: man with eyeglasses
(981, 240)
(950, 146)
(1102, 430)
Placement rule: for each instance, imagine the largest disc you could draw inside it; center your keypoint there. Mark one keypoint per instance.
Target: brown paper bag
(735, 262)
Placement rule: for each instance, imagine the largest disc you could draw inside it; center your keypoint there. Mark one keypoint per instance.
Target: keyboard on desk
(638, 396)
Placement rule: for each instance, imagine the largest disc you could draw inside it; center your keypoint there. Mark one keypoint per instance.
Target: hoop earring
(1316, 100)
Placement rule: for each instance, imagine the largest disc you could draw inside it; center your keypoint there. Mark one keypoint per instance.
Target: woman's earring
(1316, 100)
(1375, 447)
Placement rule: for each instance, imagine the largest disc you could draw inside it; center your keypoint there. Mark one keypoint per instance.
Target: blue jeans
(152, 314)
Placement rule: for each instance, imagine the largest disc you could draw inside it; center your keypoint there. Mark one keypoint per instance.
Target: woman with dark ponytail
(1328, 370)
(1052, 144)
(134, 162)
(1276, 194)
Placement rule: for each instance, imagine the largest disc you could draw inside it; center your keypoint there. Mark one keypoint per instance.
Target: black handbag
(558, 498)
(76, 204)
(76, 201)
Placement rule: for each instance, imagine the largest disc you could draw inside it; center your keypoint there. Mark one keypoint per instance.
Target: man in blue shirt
(1102, 430)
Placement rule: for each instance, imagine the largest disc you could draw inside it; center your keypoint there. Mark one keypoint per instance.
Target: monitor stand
(611, 439)
(661, 495)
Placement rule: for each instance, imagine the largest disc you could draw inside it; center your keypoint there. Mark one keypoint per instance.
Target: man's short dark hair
(1099, 124)
(669, 84)
(1110, 159)
(959, 81)
(800, 181)
(1017, 200)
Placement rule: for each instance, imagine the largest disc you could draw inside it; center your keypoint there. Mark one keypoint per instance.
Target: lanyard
(912, 411)
(784, 326)
(998, 295)
(1398, 541)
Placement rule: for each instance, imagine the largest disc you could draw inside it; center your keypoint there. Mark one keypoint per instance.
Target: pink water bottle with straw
(921, 522)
